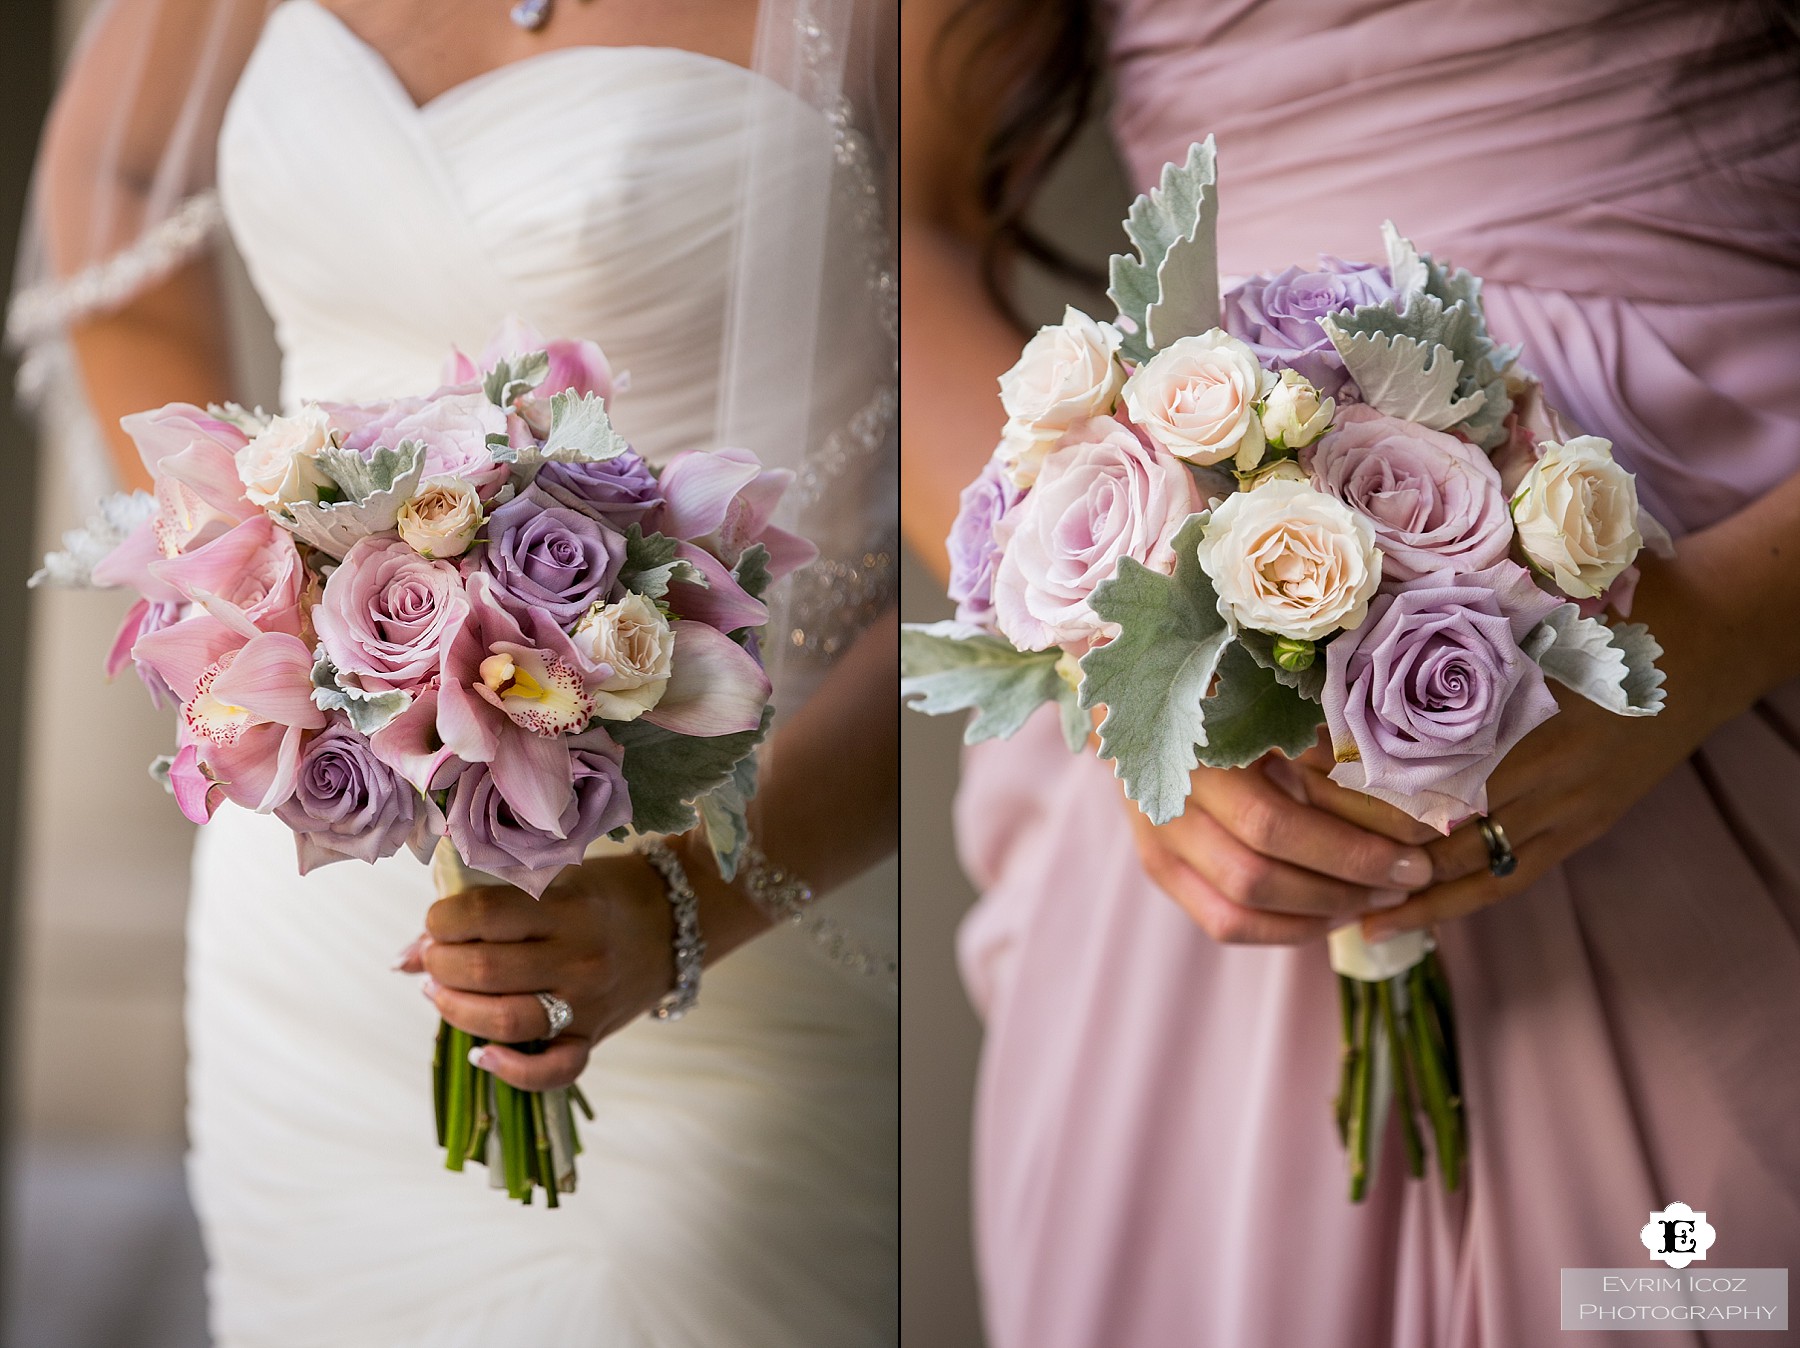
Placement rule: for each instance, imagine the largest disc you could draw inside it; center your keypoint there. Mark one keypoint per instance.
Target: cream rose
(1197, 399)
(1067, 373)
(278, 467)
(1276, 470)
(634, 638)
(1293, 413)
(1576, 512)
(1290, 560)
(1021, 454)
(442, 520)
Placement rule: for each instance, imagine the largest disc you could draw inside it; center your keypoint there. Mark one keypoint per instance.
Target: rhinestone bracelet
(780, 894)
(690, 946)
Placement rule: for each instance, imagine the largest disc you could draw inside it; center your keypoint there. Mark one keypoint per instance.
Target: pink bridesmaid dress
(1156, 1162)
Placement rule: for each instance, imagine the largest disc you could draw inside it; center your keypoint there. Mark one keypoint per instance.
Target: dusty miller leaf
(948, 667)
(1251, 713)
(651, 566)
(377, 489)
(368, 712)
(752, 570)
(668, 774)
(117, 518)
(1403, 377)
(1613, 666)
(725, 812)
(1077, 725)
(1171, 288)
(581, 431)
(1154, 676)
(515, 376)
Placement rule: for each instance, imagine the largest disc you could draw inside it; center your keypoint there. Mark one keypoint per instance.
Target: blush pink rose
(1103, 494)
(1435, 501)
(387, 613)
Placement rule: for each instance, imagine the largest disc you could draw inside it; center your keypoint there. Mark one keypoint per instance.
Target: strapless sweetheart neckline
(500, 74)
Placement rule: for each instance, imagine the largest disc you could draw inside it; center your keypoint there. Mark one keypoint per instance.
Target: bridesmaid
(1156, 1165)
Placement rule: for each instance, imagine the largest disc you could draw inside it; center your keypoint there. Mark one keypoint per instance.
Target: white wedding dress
(738, 1185)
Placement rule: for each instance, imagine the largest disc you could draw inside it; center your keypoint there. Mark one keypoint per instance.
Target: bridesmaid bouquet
(1324, 496)
(474, 624)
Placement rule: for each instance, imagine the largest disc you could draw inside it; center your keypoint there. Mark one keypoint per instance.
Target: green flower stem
(1362, 1102)
(1347, 1002)
(546, 1165)
(1440, 1103)
(1415, 1145)
(439, 1079)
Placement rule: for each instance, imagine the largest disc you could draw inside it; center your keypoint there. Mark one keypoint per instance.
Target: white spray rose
(278, 467)
(1021, 454)
(1067, 373)
(1290, 560)
(1577, 515)
(443, 519)
(1276, 470)
(1197, 399)
(1293, 414)
(634, 638)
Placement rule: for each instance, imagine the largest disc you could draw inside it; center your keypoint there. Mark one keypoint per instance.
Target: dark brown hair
(1029, 76)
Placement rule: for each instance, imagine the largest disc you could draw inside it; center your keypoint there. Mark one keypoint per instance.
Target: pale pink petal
(272, 678)
(180, 654)
(120, 654)
(717, 687)
(209, 470)
(698, 489)
(411, 746)
(192, 787)
(722, 603)
(129, 564)
(532, 772)
(468, 726)
(787, 552)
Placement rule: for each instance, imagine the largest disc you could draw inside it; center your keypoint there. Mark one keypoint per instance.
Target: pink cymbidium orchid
(246, 698)
(252, 573)
(513, 690)
(716, 687)
(723, 501)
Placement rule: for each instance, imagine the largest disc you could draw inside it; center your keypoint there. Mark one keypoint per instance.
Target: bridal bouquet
(1324, 497)
(474, 624)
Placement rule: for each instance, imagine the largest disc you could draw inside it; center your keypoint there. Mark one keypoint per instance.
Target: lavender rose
(974, 555)
(548, 557)
(1279, 315)
(620, 491)
(1433, 690)
(491, 837)
(1435, 501)
(386, 613)
(347, 804)
(1103, 494)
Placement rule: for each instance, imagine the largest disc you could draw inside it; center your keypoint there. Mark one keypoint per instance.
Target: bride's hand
(1251, 864)
(600, 939)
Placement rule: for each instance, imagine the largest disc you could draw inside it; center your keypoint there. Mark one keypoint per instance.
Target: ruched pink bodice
(1156, 1163)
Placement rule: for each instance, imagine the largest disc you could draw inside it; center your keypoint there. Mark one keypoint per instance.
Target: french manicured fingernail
(478, 1057)
(1387, 898)
(1412, 871)
(412, 948)
(428, 987)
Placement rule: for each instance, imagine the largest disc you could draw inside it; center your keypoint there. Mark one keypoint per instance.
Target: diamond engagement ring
(559, 1012)
(1501, 861)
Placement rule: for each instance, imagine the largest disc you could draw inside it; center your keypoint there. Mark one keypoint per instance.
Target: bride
(691, 186)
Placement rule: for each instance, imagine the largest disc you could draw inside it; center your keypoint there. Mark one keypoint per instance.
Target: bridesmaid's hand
(1562, 786)
(600, 939)
(1571, 779)
(1251, 864)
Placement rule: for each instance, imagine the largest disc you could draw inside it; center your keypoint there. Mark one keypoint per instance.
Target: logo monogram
(1677, 1235)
